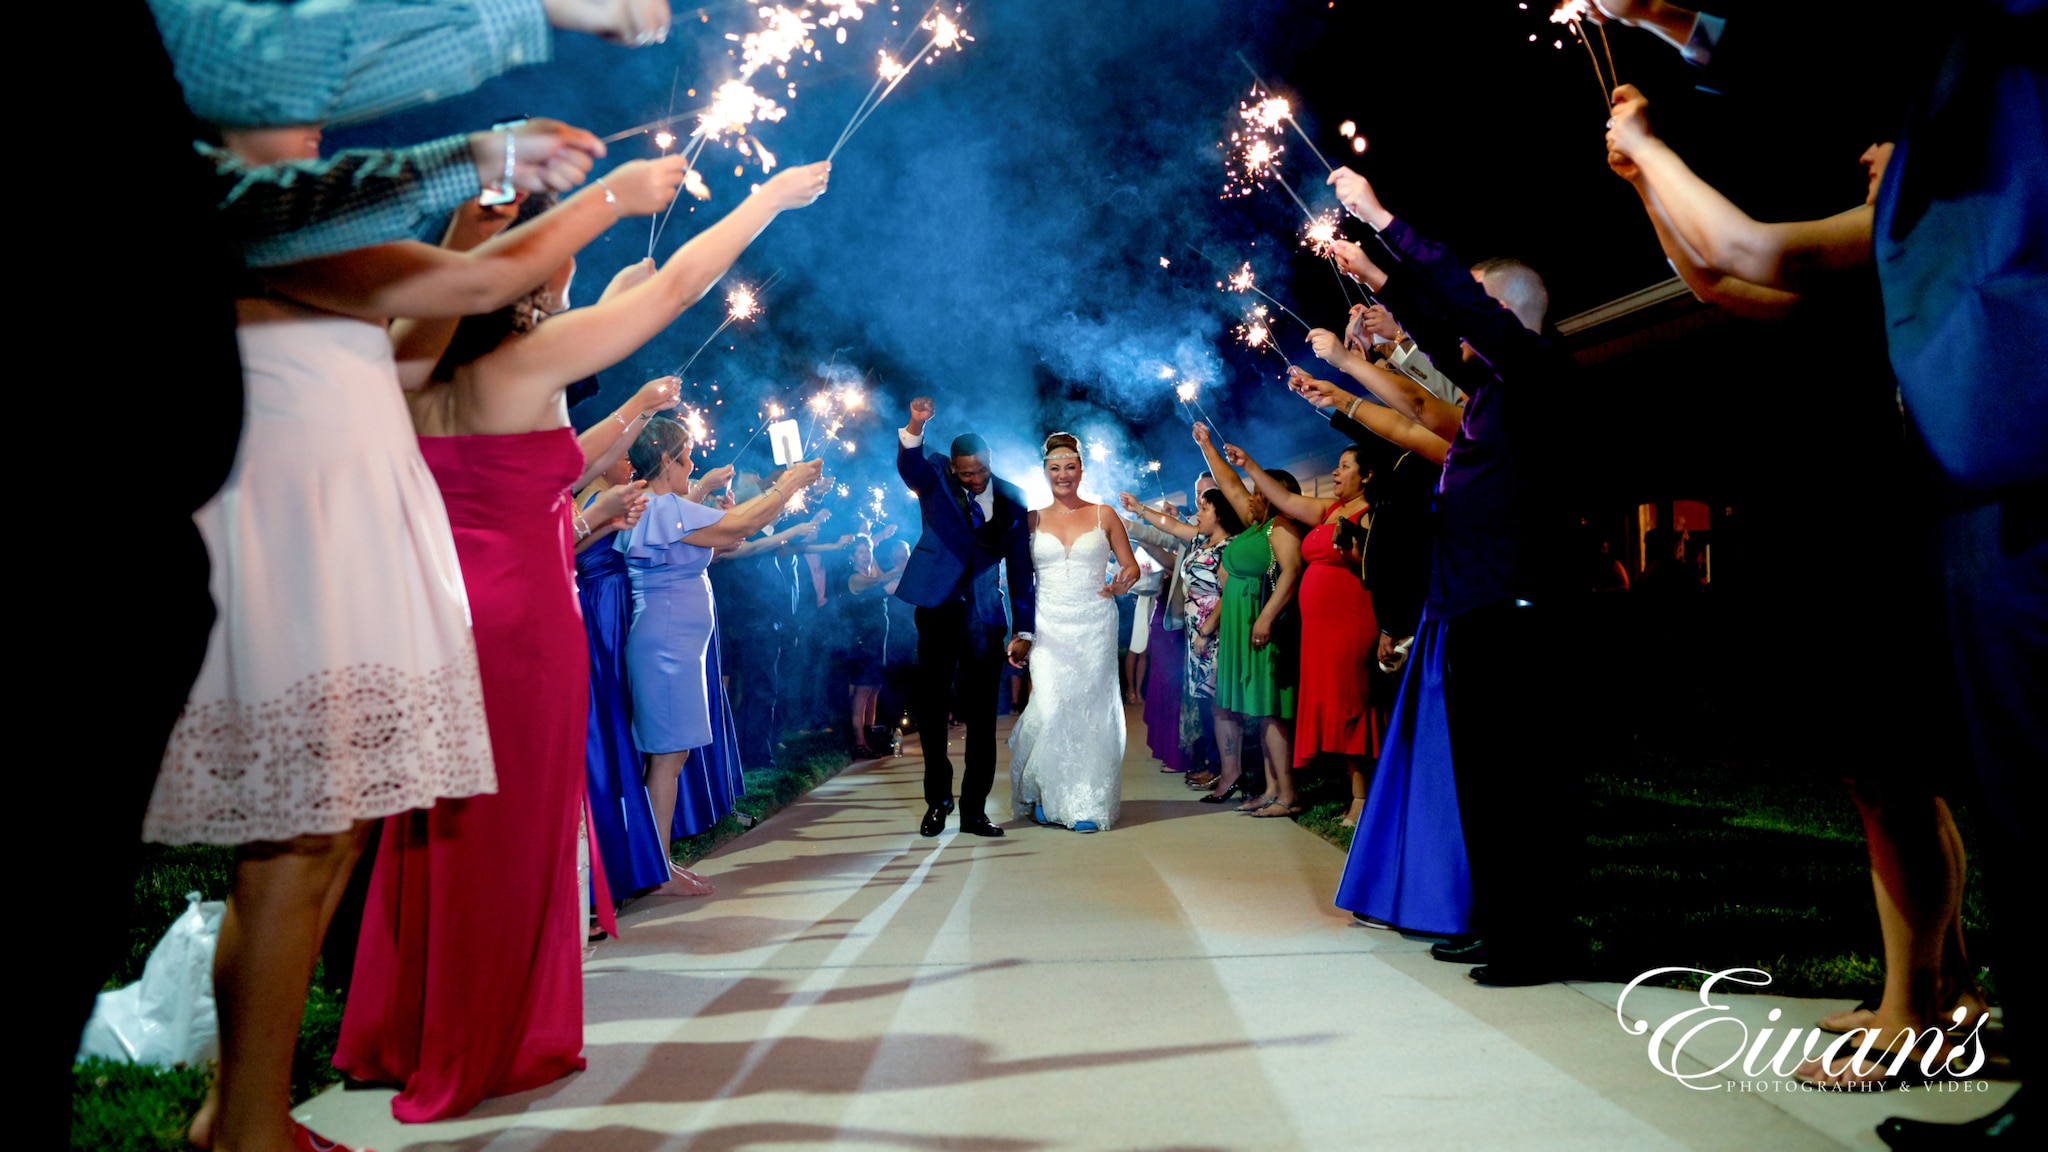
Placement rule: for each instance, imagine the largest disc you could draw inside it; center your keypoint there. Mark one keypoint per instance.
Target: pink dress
(468, 979)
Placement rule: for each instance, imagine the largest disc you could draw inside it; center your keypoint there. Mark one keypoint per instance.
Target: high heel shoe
(1235, 790)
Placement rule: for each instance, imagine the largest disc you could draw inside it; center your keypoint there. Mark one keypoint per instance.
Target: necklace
(1064, 510)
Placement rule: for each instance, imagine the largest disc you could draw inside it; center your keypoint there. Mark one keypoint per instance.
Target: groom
(973, 524)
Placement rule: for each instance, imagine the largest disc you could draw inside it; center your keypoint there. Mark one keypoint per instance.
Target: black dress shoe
(1460, 950)
(979, 826)
(935, 819)
(2001, 1129)
(1498, 975)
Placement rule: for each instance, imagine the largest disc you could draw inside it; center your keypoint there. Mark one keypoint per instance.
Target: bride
(1067, 750)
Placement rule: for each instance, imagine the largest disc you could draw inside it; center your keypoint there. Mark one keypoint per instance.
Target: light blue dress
(673, 617)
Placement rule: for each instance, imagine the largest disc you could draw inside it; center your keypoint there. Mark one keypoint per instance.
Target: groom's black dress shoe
(2001, 1129)
(1469, 950)
(979, 826)
(1512, 975)
(935, 819)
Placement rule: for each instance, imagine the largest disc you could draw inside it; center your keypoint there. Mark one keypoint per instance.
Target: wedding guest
(1340, 637)
(1258, 664)
(1177, 728)
(748, 583)
(899, 643)
(1216, 523)
(867, 625)
(1503, 515)
(330, 514)
(165, 636)
(631, 849)
(1407, 867)
(484, 997)
(1918, 865)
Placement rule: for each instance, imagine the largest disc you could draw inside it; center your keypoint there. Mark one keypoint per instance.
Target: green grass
(118, 1107)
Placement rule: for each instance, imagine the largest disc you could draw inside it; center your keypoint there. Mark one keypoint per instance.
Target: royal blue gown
(621, 819)
(1407, 864)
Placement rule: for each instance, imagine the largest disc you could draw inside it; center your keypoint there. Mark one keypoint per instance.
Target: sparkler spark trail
(1572, 14)
(1257, 333)
(1281, 110)
(741, 303)
(945, 33)
(1241, 281)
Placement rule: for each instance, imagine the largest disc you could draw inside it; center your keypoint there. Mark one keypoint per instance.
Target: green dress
(1247, 678)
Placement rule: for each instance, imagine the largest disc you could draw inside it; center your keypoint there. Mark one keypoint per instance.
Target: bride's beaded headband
(1060, 453)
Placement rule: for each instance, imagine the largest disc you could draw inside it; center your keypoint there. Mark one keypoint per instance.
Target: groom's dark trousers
(956, 655)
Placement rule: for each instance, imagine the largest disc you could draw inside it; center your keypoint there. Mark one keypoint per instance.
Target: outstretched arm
(744, 520)
(1171, 525)
(1400, 393)
(912, 464)
(1727, 239)
(1295, 506)
(1377, 419)
(1731, 293)
(610, 438)
(414, 279)
(584, 340)
(1227, 480)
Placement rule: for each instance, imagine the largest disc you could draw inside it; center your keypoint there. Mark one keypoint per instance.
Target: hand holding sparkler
(1379, 322)
(1329, 347)
(1355, 193)
(644, 187)
(1201, 435)
(630, 22)
(1352, 260)
(1628, 125)
(546, 155)
(797, 187)
(1237, 457)
(716, 480)
(617, 508)
(631, 276)
(1320, 393)
(657, 395)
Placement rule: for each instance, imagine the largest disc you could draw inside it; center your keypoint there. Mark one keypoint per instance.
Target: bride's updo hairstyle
(1061, 444)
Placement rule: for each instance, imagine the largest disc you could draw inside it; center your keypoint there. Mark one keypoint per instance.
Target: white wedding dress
(1067, 750)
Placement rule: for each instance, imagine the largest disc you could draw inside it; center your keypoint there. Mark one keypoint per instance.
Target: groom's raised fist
(920, 412)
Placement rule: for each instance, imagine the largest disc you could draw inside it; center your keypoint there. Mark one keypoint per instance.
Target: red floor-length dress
(468, 979)
(1338, 636)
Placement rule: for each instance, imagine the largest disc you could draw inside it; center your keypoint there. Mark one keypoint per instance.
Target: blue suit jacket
(948, 553)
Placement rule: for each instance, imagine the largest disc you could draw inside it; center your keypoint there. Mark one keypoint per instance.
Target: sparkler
(694, 422)
(1152, 466)
(878, 509)
(1257, 332)
(890, 71)
(742, 303)
(1241, 281)
(1273, 109)
(1572, 14)
(765, 417)
(1189, 393)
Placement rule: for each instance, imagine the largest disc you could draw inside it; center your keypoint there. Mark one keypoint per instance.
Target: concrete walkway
(1181, 982)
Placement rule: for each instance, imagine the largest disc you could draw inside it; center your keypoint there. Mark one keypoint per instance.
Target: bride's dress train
(1067, 750)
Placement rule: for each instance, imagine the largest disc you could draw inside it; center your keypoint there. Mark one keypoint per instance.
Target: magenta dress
(468, 979)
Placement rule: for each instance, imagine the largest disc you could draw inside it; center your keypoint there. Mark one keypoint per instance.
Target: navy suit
(954, 578)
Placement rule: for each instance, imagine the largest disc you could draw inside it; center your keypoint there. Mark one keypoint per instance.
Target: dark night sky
(993, 235)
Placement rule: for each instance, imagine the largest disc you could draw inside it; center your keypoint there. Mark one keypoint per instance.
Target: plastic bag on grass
(167, 1017)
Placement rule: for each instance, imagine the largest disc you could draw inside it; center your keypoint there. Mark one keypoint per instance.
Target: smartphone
(492, 197)
(787, 442)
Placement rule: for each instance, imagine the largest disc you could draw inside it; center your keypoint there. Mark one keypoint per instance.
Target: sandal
(1256, 803)
(1202, 780)
(1278, 811)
